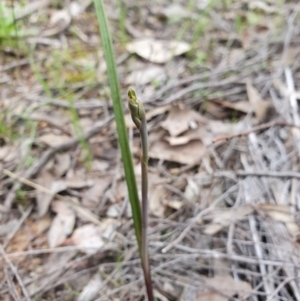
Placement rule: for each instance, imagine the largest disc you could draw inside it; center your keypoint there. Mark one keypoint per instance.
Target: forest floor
(220, 84)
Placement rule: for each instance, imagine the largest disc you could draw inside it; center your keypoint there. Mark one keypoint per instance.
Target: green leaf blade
(119, 117)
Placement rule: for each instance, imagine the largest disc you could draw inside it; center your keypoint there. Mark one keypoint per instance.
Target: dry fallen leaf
(21, 238)
(176, 11)
(157, 197)
(30, 8)
(62, 164)
(91, 238)
(289, 58)
(59, 21)
(78, 183)
(190, 153)
(119, 192)
(210, 296)
(218, 127)
(174, 204)
(92, 288)
(100, 165)
(282, 214)
(85, 123)
(8, 153)
(43, 199)
(199, 134)
(260, 106)
(4, 151)
(62, 225)
(107, 228)
(157, 51)
(261, 5)
(8, 227)
(282, 88)
(53, 140)
(146, 75)
(235, 56)
(181, 119)
(216, 111)
(243, 106)
(224, 217)
(114, 210)
(88, 239)
(92, 196)
(192, 190)
(54, 119)
(225, 285)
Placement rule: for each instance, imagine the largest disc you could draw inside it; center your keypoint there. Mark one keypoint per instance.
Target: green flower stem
(139, 118)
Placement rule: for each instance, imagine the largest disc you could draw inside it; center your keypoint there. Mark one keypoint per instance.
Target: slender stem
(144, 167)
(139, 118)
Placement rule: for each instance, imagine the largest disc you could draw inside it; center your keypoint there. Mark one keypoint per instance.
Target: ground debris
(220, 83)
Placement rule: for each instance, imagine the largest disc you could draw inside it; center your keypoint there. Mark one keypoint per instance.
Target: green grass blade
(119, 117)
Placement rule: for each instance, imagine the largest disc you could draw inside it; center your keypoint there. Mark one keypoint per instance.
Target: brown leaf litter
(190, 134)
(261, 108)
(62, 225)
(219, 288)
(224, 220)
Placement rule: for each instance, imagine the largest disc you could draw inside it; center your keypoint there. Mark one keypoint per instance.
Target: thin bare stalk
(138, 116)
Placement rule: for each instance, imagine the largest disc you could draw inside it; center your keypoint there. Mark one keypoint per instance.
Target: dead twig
(255, 129)
(259, 254)
(91, 104)
(241, 173)
(213, 254)
(198, 77)
(197, 86)
(15, 272)
(15, 230)
(279, 287)
(49, 251)
(195, 219)
(11, 286)
(13, 65)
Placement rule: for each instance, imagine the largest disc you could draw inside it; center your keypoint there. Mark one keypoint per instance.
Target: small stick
(18, 226)
(15, 272)
(11, 286)
(194, 220)
(255, 129)
(269, 174)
